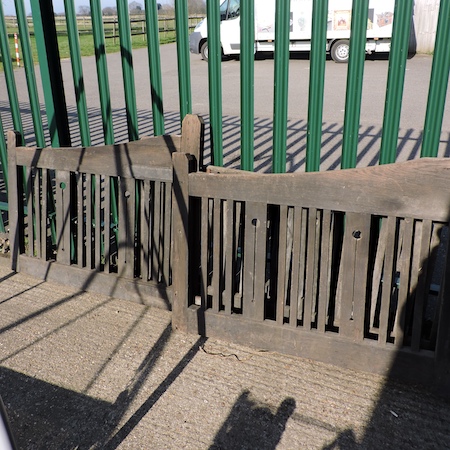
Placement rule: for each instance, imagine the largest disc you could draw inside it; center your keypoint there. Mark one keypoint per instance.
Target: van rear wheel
(340, 51)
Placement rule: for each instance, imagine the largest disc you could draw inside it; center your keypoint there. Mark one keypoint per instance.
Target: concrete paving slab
(79, 370)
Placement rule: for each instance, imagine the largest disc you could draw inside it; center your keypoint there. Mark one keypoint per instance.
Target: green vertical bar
(438, 84)
(105, 97)
(360, 15)
(281, 81)
(50, 67)
(396, 79)
(9, 77)
(316, 84)
(102, 71)
(30, 73)
(184, 68)
(151, 15)
(77, 72)
(215, 80)
(247, 84)
(127, 69)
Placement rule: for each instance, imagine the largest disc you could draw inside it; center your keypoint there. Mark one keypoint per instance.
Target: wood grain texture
(366, 190)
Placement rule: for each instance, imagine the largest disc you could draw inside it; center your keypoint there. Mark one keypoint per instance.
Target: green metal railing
(57, 124)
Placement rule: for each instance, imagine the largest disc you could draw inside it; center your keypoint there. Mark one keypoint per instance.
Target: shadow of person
(251, 425)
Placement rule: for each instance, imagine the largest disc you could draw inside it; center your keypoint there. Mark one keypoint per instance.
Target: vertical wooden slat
(204, 252)
(302, 267)
(98, 223)
(324, 286)
(145, 228)
(254, 260)
(44, 214)
(89, 231)
(378, 271)
(156, 238)
(30, 228)
(386, 292)
(404, 269)
(310, 268)
(127, 198)
(63, 216)
(281, 278)
(217, 255)
(37, 210)
(421, 290)
(296, 263)
(108, 225)
(354, 276)
(80, 218)
(167, 215)
(15, 183)
(227, 297)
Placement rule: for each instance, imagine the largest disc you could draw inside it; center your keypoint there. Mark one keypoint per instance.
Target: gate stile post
(182, 165)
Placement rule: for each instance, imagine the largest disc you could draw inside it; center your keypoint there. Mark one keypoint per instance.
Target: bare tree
(109, 11)
(84, 10)
(136, 8)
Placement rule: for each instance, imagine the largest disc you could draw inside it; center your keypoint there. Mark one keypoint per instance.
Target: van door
(230, 30)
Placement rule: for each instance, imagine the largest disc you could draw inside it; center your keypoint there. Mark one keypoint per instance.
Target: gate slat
(30, 183)
(354, 274)
(145, 227)
(88, 206)
(324, 278)
(254, 260)
(227, 298)
(167, 216)
(37, 209)
(127, 198)
(404, 269)
(108, 225)
(217, 245)
(97, 222)
(63, 216)
(377, 272)
(156, 239)
(310, 268)
(80, 221)
(282, 266)
(386, 291)
(204, 243)
(421, 290)
(44, 214)
(296, 263)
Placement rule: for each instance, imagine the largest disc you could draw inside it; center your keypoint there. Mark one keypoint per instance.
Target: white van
(379, 27)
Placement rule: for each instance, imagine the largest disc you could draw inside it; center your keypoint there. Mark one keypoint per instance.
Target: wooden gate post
(182, 164)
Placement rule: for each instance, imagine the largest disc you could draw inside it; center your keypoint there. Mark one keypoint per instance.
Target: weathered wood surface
(128, 160)
(329, 266)
(410, 189)
(71, 230)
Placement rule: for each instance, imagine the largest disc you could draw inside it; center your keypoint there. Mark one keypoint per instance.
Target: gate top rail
(409, 189)
(128, 160)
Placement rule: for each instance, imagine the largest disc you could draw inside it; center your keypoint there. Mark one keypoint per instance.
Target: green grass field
(166, 35)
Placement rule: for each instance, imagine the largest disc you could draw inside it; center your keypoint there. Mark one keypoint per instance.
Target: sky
(58, 5)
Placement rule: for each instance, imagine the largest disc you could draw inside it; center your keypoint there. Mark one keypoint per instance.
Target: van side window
(233, 9)
(229, 9)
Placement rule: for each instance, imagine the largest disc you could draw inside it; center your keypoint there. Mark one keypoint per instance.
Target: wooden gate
(63, 205)
(347, 267)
